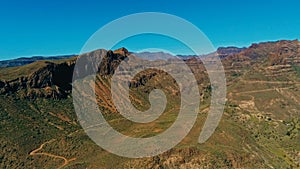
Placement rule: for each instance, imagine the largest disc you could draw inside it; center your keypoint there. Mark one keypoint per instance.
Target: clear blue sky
(37, 27)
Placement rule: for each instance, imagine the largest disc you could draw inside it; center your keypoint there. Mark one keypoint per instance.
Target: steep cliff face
(54, 79)
(2, 84)
(276, 53)
(51, 81)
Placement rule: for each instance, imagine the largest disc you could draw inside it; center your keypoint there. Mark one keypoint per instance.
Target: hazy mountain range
(222, 51)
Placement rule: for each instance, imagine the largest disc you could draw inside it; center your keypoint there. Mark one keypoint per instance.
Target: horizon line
(141, 51)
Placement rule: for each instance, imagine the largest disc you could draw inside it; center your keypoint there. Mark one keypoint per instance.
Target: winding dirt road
(35, 152)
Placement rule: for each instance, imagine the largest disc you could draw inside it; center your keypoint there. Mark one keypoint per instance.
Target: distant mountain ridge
(27, 60)
(51, 79)
(222, 52)
(225, 51)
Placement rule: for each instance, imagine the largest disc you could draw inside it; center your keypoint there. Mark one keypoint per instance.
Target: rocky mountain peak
(122, 51)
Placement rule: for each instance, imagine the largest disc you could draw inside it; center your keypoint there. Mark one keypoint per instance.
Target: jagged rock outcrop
(87, 64)
(144, 78)
(112, 60)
